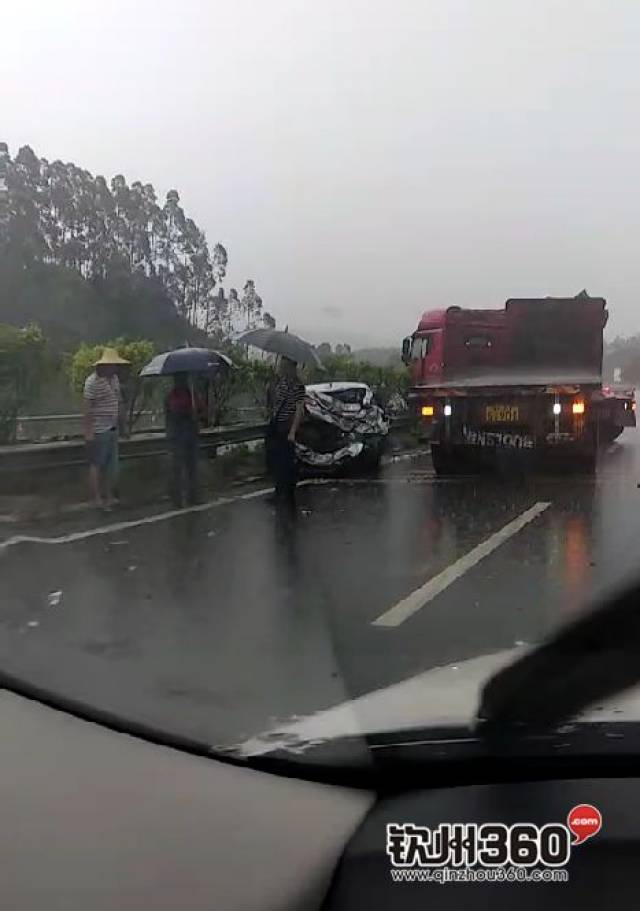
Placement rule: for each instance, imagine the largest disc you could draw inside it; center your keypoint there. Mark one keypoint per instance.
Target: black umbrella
(187, 360)
(283, 343)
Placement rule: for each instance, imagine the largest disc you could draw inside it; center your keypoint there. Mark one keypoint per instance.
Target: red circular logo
(584, 821)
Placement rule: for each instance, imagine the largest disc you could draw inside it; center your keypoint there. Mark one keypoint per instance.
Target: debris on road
(111, 544)
(54, 598)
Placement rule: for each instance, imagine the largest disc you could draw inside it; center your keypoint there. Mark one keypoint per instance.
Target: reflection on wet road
(219, 623)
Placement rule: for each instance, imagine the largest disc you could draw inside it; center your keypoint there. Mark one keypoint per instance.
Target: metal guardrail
(76, 416)
(35, 456)
(51, 428)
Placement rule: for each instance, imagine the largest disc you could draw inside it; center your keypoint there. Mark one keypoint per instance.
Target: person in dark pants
(286, 416)
(183, 409)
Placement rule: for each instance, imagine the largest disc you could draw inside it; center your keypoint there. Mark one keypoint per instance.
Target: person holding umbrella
(287, 406)
(184, 410)
(102, 418)
(286, 417)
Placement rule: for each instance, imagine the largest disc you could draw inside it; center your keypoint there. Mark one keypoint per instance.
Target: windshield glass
(420, 346)
(207, 211)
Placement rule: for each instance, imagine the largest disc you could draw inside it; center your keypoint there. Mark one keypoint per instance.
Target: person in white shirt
(102, 413)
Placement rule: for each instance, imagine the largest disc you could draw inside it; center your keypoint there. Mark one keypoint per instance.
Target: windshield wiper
(595, 657)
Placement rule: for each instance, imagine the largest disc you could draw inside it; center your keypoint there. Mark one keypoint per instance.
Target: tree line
(59, 214)
(84, 259)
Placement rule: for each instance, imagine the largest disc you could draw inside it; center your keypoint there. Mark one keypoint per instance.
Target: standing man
(184, 409)
(102, 414)
(286, 417)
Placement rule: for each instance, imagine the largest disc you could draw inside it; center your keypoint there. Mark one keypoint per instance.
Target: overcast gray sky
(361, 160)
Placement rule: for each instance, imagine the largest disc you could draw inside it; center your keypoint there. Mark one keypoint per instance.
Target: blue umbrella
(187, 360)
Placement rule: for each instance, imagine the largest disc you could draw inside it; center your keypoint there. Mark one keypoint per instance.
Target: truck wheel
(605, 434)
(588, 462)
(446, 462)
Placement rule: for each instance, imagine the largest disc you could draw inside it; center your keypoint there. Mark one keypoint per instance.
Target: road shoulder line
(130, 523)
(146, 520)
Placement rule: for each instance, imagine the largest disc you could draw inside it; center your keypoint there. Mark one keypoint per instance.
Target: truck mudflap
(469, 459)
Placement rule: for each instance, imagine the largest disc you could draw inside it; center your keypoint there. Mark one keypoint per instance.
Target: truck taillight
(428, 411)
(578, 408)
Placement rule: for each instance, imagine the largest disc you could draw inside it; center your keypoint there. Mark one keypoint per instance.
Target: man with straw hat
(102, 407)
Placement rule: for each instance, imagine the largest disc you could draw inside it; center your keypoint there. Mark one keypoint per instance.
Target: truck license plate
(502, 414)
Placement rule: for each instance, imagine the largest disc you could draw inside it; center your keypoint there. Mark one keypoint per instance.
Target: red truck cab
(456, 342)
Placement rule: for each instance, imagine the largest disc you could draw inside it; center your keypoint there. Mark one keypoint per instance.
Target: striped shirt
(102, 395)
(287, 394)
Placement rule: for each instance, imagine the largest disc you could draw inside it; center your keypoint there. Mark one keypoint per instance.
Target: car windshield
(349, 396)
(207, 211)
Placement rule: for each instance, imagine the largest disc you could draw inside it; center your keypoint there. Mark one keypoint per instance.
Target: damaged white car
(343, 429)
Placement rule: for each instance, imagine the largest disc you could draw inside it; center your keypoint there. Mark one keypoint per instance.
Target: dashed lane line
(414, 602)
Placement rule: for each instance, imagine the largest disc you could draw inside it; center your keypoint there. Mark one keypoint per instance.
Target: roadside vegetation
(23, 367)
(623, 354)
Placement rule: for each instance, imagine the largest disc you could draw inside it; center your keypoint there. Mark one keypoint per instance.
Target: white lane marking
(116, 526)
(145, 520)
(173, 513)
(253, 494)
(408, 606)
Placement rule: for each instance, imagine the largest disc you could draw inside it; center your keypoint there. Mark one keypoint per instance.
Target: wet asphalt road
(218, 624)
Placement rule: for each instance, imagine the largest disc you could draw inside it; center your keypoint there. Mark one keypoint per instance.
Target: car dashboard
(94, 818)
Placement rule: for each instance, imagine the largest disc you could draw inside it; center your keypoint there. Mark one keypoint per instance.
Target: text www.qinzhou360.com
(500, 875)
